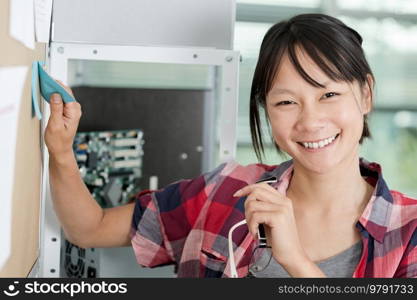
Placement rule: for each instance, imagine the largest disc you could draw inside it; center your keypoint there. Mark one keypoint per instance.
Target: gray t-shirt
(339, 265)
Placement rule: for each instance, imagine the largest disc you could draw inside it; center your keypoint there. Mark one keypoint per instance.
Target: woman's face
(318, 127)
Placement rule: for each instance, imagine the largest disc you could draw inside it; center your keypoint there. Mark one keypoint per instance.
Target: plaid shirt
(187, 222)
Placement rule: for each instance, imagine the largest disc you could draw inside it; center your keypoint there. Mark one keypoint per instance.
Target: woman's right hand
(62, 124)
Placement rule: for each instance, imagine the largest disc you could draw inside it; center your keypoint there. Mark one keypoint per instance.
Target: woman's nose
(310, 119)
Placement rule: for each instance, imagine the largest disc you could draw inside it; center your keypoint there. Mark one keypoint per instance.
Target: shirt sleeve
(408, 264)
(163, 219)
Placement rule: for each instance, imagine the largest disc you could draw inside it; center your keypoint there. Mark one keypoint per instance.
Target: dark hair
(333, 46)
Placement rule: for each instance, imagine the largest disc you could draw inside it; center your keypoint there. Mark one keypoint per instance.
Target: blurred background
(389, 32)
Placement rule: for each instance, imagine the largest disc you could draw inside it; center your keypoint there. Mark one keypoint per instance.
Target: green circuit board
(110, 163)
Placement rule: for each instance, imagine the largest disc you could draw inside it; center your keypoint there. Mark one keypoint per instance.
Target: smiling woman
(326, 212)
(305, 118)
(305, 48)
(315, 86)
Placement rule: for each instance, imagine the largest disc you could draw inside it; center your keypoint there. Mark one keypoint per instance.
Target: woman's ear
(367, 94)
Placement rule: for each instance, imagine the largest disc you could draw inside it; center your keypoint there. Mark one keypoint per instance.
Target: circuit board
(110, 163)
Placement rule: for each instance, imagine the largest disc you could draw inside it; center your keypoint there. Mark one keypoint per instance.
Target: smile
(320, 143)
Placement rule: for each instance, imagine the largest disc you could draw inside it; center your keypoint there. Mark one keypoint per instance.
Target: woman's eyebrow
(278, 91)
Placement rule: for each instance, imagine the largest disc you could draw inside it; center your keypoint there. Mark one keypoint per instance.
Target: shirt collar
(376, 215)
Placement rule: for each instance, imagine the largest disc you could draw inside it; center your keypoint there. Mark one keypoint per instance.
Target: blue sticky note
(49, 86)
(35, 88)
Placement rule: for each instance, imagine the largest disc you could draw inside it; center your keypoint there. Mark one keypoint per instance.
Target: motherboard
(110, 163)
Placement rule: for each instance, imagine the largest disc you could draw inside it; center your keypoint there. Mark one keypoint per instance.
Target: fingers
(260, 217)
(272, 215)
(72, 112)
(252, 205)
(257, 211)
(263, 205)
(262, 192)
(57, 108)
(65, 87)
(251, 187)
(62, 124)
(64, 113)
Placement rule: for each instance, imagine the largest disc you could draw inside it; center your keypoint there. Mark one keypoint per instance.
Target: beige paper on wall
(26, 181)
(12, 80)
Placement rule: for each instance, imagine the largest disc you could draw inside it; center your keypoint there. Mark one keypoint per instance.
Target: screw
(60, 50)
(195, 55)
(184, 156)
(229, 58)
(94, 51)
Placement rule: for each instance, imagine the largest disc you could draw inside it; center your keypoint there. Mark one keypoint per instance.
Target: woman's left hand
(265, 205)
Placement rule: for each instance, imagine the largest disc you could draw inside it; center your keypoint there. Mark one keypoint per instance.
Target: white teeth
(319, 144)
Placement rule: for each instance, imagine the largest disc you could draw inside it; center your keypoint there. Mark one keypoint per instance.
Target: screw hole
(52, 270)
(53, 239)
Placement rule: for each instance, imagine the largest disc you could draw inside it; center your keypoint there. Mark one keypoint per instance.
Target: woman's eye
(330, 94)
(286, 102)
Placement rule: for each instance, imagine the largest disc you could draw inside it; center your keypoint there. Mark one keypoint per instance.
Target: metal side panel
(184, 23)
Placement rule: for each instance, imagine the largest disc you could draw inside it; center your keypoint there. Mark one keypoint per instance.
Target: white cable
(233, 270)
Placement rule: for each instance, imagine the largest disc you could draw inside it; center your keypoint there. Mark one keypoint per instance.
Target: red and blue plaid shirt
(187, 223)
